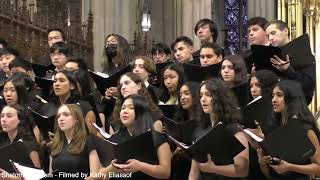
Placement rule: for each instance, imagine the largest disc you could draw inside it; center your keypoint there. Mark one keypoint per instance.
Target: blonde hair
(79, 135)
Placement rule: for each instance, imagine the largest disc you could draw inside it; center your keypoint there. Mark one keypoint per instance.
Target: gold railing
(25, 27)
(294, 12)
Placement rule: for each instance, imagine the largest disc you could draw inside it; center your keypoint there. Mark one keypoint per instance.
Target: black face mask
(111, 49)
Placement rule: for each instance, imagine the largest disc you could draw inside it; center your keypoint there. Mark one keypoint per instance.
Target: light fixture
(146, 21)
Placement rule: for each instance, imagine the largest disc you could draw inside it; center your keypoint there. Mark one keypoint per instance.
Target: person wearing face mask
(118, 53)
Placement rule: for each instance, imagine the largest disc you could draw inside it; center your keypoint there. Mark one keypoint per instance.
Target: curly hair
(143, 92)
(239, 67)
(223, 102)
(267, 80)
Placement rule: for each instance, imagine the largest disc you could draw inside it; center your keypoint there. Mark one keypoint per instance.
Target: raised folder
(181, 131)
(299, 52)
(140, 147)
(257, 111)
(41, 70)
(289, 142)
(198, 73)
(103, 83)
(219, 142)
(16, 152)
(46, 118)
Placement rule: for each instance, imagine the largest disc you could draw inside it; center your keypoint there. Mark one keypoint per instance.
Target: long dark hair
(179, 70)
(74, 93)
(23, 128)
(295, 103)
(223, 102)
(267, 80)
(239, 67)
(83, 79)
(20, 85)
(182, 114)
(124, 54)
(143, 117)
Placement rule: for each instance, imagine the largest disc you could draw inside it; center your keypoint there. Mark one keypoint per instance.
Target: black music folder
(299, 52)
(41, 70)
(46, 118)
(43, 83)
(103, 83)
(289, 142)
(181, 131)
(16, 152)
(219, 142)
(256, 110)
(140, 147)
(198, 73)
(168, 110)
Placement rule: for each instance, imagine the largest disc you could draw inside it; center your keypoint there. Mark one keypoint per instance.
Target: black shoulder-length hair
(224, 103)
(295, 103)
(143, 117)
(179, 70)
(20, 85)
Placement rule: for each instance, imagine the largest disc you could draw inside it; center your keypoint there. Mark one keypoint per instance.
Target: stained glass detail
(236, 17)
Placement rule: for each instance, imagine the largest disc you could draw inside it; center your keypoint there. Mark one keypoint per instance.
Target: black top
(292, 175)
(199, 132)
(28, 140)
(123, 135)
(65, 162)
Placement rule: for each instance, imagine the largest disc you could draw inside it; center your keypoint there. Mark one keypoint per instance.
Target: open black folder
(181, 131)
(299, 52)
(46, 119)
(105, 82)
(198, 73)
(168, 110)
(41, 70)
(140, 147)
(289, 142)
(257, 110)
(219, 142)
(15, 151)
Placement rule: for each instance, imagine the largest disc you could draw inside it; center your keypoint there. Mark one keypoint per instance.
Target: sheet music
(101, 131)
(30, 173)
(253, 136)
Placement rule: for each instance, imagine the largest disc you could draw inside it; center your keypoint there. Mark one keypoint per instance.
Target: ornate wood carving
(25, 26)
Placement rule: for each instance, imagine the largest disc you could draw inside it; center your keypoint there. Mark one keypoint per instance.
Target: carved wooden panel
(24, 25)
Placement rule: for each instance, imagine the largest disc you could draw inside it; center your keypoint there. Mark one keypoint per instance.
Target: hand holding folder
(280, 143)
(219, 142)
(140, 147)
(16, 152)
(111, 81)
